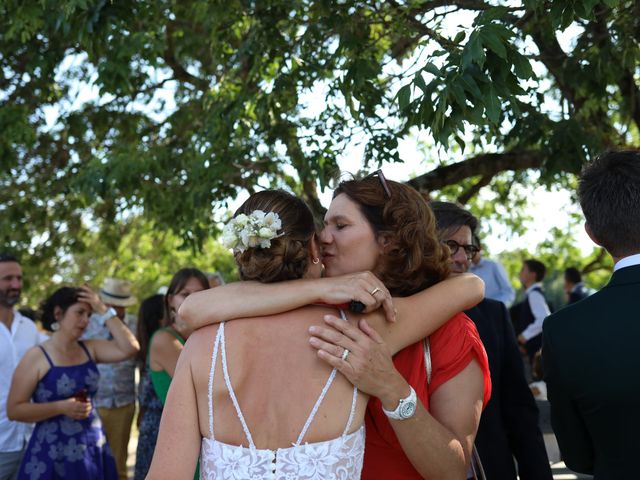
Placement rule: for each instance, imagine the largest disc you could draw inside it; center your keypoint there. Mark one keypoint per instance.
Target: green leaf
(404, 97)
(470, 85)
(493, 106)
(418, 80)
(458, 94)
(494, 43)
(432, 69)
(460, 36)
(522, 66)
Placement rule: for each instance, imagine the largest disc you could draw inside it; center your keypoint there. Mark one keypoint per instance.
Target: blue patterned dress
(151, 411)
(61, 447)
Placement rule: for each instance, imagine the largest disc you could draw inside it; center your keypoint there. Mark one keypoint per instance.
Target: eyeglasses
(383, 181)
(469, 250)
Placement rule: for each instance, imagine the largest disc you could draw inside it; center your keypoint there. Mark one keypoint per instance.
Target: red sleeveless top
(453, 346)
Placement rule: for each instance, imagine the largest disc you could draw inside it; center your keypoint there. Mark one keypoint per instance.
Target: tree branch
(179, 71)
(596, 263)
(487, 165)
(474, 189)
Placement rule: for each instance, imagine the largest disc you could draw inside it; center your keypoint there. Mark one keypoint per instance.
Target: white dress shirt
(540, 311)
(13, 345)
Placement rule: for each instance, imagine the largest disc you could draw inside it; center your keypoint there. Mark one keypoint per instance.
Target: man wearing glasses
(509, 423)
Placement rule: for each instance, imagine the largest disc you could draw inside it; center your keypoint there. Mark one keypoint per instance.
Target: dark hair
(63, 297)
(572, 275)
(537, 267)
(476, 240)
(609, 193)
(288, 256)
(150, 318)
(8, 257)
(450, 217)
(177, 283)
(413, 258)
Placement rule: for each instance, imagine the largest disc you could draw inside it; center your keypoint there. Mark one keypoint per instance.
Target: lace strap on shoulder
(214, 356)
(232, 394)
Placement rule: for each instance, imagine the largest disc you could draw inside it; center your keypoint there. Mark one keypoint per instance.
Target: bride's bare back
(277, 378)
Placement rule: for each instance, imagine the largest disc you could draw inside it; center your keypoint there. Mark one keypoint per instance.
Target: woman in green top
(166, 344)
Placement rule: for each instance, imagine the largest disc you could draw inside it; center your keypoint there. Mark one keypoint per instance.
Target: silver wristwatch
(405, 409)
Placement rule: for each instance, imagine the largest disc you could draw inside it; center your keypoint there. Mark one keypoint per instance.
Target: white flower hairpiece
(250, 231)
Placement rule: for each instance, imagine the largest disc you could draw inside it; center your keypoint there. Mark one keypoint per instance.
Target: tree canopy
(167, 110)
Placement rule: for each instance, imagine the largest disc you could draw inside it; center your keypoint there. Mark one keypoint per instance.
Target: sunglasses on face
(469, 250)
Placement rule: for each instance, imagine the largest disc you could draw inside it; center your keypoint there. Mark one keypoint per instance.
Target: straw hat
(117, 292)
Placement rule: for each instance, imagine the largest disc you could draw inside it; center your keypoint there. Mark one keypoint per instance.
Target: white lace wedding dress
(340, 458)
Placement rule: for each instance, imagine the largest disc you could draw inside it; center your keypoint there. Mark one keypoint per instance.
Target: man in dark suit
(590, 348)
(509, 423)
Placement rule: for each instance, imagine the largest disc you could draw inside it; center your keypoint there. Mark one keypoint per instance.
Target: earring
(55, 326)
(316, 261)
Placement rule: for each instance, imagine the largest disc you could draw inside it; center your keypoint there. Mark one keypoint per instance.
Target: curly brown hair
(413, 258)
(288, 256)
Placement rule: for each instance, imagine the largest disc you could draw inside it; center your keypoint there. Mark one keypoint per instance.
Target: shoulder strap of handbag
(476, 463)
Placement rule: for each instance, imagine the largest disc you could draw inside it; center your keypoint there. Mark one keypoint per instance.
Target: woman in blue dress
(61, 378)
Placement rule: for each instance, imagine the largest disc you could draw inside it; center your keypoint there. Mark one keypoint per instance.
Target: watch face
(408, 409)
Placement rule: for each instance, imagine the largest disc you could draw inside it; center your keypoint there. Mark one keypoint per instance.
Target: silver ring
(345, 354)
(374, 291)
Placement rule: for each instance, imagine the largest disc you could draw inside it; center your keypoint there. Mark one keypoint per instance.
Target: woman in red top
(387, 228)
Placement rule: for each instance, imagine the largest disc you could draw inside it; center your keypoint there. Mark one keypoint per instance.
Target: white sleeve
(540, 311)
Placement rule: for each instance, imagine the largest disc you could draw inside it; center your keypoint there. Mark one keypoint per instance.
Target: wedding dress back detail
(339, 458)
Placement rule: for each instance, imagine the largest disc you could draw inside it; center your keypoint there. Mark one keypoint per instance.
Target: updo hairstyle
(413, 257)
(63, 297)
(288, 256)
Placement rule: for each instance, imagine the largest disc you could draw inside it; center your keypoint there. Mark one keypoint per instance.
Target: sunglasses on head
(383, 181)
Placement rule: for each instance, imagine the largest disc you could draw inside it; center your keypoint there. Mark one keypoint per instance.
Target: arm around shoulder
(423, 313)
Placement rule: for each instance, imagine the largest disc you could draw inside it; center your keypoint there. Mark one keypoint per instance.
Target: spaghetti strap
(214, 356)
(86, 350)
(46, 355)
(234, 400)
(321, 398)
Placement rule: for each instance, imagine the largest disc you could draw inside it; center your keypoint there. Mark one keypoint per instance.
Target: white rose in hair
(241, 220)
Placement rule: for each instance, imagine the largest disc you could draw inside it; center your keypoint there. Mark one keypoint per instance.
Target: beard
(8, 298)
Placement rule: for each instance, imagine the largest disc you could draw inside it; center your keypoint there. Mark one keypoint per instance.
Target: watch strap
(406, 407)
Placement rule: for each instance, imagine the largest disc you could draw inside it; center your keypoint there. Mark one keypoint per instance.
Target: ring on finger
(345, 354)
(374, 291)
